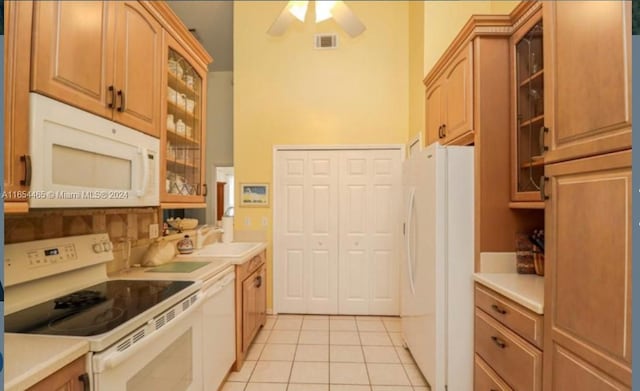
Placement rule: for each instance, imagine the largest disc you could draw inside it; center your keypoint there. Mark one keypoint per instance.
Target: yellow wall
(442, 22)
(444, 19)
(416, 68)
(503, 6)
(287, 92)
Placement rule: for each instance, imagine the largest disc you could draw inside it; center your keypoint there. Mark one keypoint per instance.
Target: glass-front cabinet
(184, 131)
(528, 117)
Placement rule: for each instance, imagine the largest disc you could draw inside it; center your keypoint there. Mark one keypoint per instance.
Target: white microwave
(78, 159)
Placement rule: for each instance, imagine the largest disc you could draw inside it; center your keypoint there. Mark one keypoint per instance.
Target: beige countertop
(525, 289)
(31, 358)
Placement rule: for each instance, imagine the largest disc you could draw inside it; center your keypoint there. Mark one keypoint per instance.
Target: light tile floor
(322, 353)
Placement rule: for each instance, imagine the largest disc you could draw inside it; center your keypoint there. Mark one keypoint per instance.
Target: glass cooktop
(93, 310)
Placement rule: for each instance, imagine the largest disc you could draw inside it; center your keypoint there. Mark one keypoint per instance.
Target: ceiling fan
(325, 9)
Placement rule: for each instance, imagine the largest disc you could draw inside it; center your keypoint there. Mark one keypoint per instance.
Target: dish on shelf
(181, 128)
(191, 105)
(172, 95)
(182, 224)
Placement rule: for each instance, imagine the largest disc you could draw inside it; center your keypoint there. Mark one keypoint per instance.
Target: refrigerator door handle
(410, 212)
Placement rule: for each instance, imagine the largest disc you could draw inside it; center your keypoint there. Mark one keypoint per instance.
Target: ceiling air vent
(326, 41)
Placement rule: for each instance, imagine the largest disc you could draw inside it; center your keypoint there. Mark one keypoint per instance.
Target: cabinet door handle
(444, 130)
(498, 309)
(84, 379)
(122, 103)
(258, 282)
(27, 170)
(440, 131)
(112, 91)
(498, 341)
(543, 148)
(205, 189)
(543, 182)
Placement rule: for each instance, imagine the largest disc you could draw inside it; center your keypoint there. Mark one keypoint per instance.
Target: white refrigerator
(437, 270)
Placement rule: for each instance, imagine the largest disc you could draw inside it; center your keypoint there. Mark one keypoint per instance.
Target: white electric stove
(143, 334)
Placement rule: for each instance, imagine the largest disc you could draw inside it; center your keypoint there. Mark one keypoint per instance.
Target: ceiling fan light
(323, 10)
(298, 9)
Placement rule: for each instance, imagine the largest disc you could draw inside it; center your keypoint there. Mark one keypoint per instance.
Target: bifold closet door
(306, 240)
(369, 187)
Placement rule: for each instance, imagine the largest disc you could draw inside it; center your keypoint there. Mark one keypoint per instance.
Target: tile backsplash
(120, 223)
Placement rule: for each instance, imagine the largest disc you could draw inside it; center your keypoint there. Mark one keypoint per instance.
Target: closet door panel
(321, 266)
(290, 242)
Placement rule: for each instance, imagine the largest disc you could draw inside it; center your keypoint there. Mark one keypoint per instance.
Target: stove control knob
(107, 246)
(98, 248)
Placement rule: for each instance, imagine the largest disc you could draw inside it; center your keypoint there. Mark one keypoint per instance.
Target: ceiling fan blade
(281, 23)
(343, 15)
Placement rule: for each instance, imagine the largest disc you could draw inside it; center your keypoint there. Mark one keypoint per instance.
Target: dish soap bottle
(185, 245)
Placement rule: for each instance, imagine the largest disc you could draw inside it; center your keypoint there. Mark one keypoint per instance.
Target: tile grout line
(364, 356)
(329, 354)
(295, 352)
(246, 385)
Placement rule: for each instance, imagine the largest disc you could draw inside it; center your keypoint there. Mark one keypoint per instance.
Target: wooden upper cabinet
(104, 57)
(434, 113)
(17, 18)
(73, 52)
(183, 109)
(458, 108)
(138, 68)
(527, 109)
(588, 55)
(449, 101)
(588, 273)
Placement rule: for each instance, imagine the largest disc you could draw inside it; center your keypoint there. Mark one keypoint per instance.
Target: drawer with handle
(519, 319)
(513, 359)
(250, 266)
(485, 379)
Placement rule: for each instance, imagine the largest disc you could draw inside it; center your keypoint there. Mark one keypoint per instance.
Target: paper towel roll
(227, 227)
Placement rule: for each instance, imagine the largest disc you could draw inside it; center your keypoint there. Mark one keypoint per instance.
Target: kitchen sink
(227, 250)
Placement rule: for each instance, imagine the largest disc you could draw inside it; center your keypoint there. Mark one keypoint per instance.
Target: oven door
(168, 359)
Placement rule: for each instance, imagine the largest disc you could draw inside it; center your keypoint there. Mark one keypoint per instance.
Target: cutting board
(178, 267)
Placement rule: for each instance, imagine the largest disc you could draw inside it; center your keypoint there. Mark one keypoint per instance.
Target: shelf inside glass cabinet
(183, 128)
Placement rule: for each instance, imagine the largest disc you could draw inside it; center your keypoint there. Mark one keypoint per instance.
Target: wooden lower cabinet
(251, 303)
(588, 273)
(253, 306)
(506, 357)
(72, 377)
(486, 379)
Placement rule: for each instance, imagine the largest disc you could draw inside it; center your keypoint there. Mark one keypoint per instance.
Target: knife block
(524, 255)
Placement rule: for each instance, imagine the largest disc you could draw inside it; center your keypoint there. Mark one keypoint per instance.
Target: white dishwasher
(218, 331)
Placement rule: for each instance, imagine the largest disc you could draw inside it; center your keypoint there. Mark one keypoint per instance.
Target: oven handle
(116, 358)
